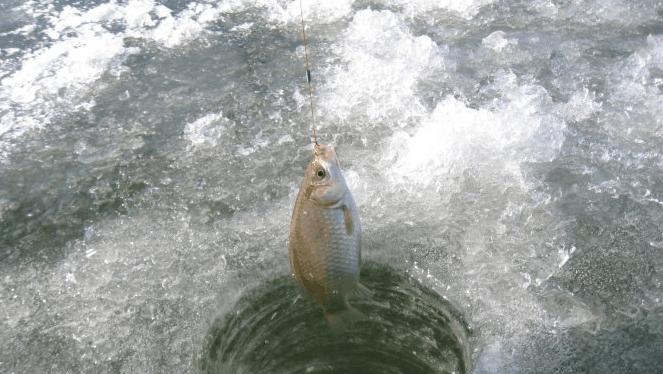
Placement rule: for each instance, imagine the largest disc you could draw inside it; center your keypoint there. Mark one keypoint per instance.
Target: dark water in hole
(272, 329)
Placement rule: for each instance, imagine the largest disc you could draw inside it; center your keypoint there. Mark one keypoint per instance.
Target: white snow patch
(382, 62)
(243, 27)
(206, 130)
(464, 8)
(69, 64)
(285, 139)
(319, 10)
(456, 137)
(284, 12)
(564, 255)
(581, 105)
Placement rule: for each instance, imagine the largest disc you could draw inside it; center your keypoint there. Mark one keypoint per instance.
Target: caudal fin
(342, 320)
(362, 291)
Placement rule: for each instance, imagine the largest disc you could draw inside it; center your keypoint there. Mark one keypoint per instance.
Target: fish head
(324, 181)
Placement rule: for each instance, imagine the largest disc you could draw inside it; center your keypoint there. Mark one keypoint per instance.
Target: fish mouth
(325, 152)
(326, 155)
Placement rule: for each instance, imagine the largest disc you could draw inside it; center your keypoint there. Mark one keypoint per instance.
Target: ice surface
(83, 45)
(507, 154)
(464, 8)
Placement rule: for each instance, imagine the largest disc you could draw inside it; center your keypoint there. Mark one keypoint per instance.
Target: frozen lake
(506, 154)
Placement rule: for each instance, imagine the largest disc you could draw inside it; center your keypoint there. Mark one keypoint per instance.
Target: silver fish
(325, 238)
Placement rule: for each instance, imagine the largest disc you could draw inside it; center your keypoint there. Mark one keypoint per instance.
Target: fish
(325, 239)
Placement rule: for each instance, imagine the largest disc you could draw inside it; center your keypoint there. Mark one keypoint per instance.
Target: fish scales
(325, 237)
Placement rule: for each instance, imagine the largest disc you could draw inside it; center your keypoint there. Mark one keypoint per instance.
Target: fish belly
(325, 257)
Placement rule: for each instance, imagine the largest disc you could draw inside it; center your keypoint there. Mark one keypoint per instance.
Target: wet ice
(150, 155)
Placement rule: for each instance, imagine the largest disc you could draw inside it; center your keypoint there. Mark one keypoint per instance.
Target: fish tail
(362, 291)
(342, 320)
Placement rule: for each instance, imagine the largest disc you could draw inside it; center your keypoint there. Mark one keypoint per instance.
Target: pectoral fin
(347, 217)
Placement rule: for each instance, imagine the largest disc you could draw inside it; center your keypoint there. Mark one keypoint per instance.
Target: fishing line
(308, 74)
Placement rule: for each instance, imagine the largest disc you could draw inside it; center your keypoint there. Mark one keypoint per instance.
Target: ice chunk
(497, 41)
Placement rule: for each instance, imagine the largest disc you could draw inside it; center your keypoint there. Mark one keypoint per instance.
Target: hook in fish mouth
(326, 153)
(322, 149)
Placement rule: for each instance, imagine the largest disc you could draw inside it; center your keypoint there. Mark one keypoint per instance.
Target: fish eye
(320, 173)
